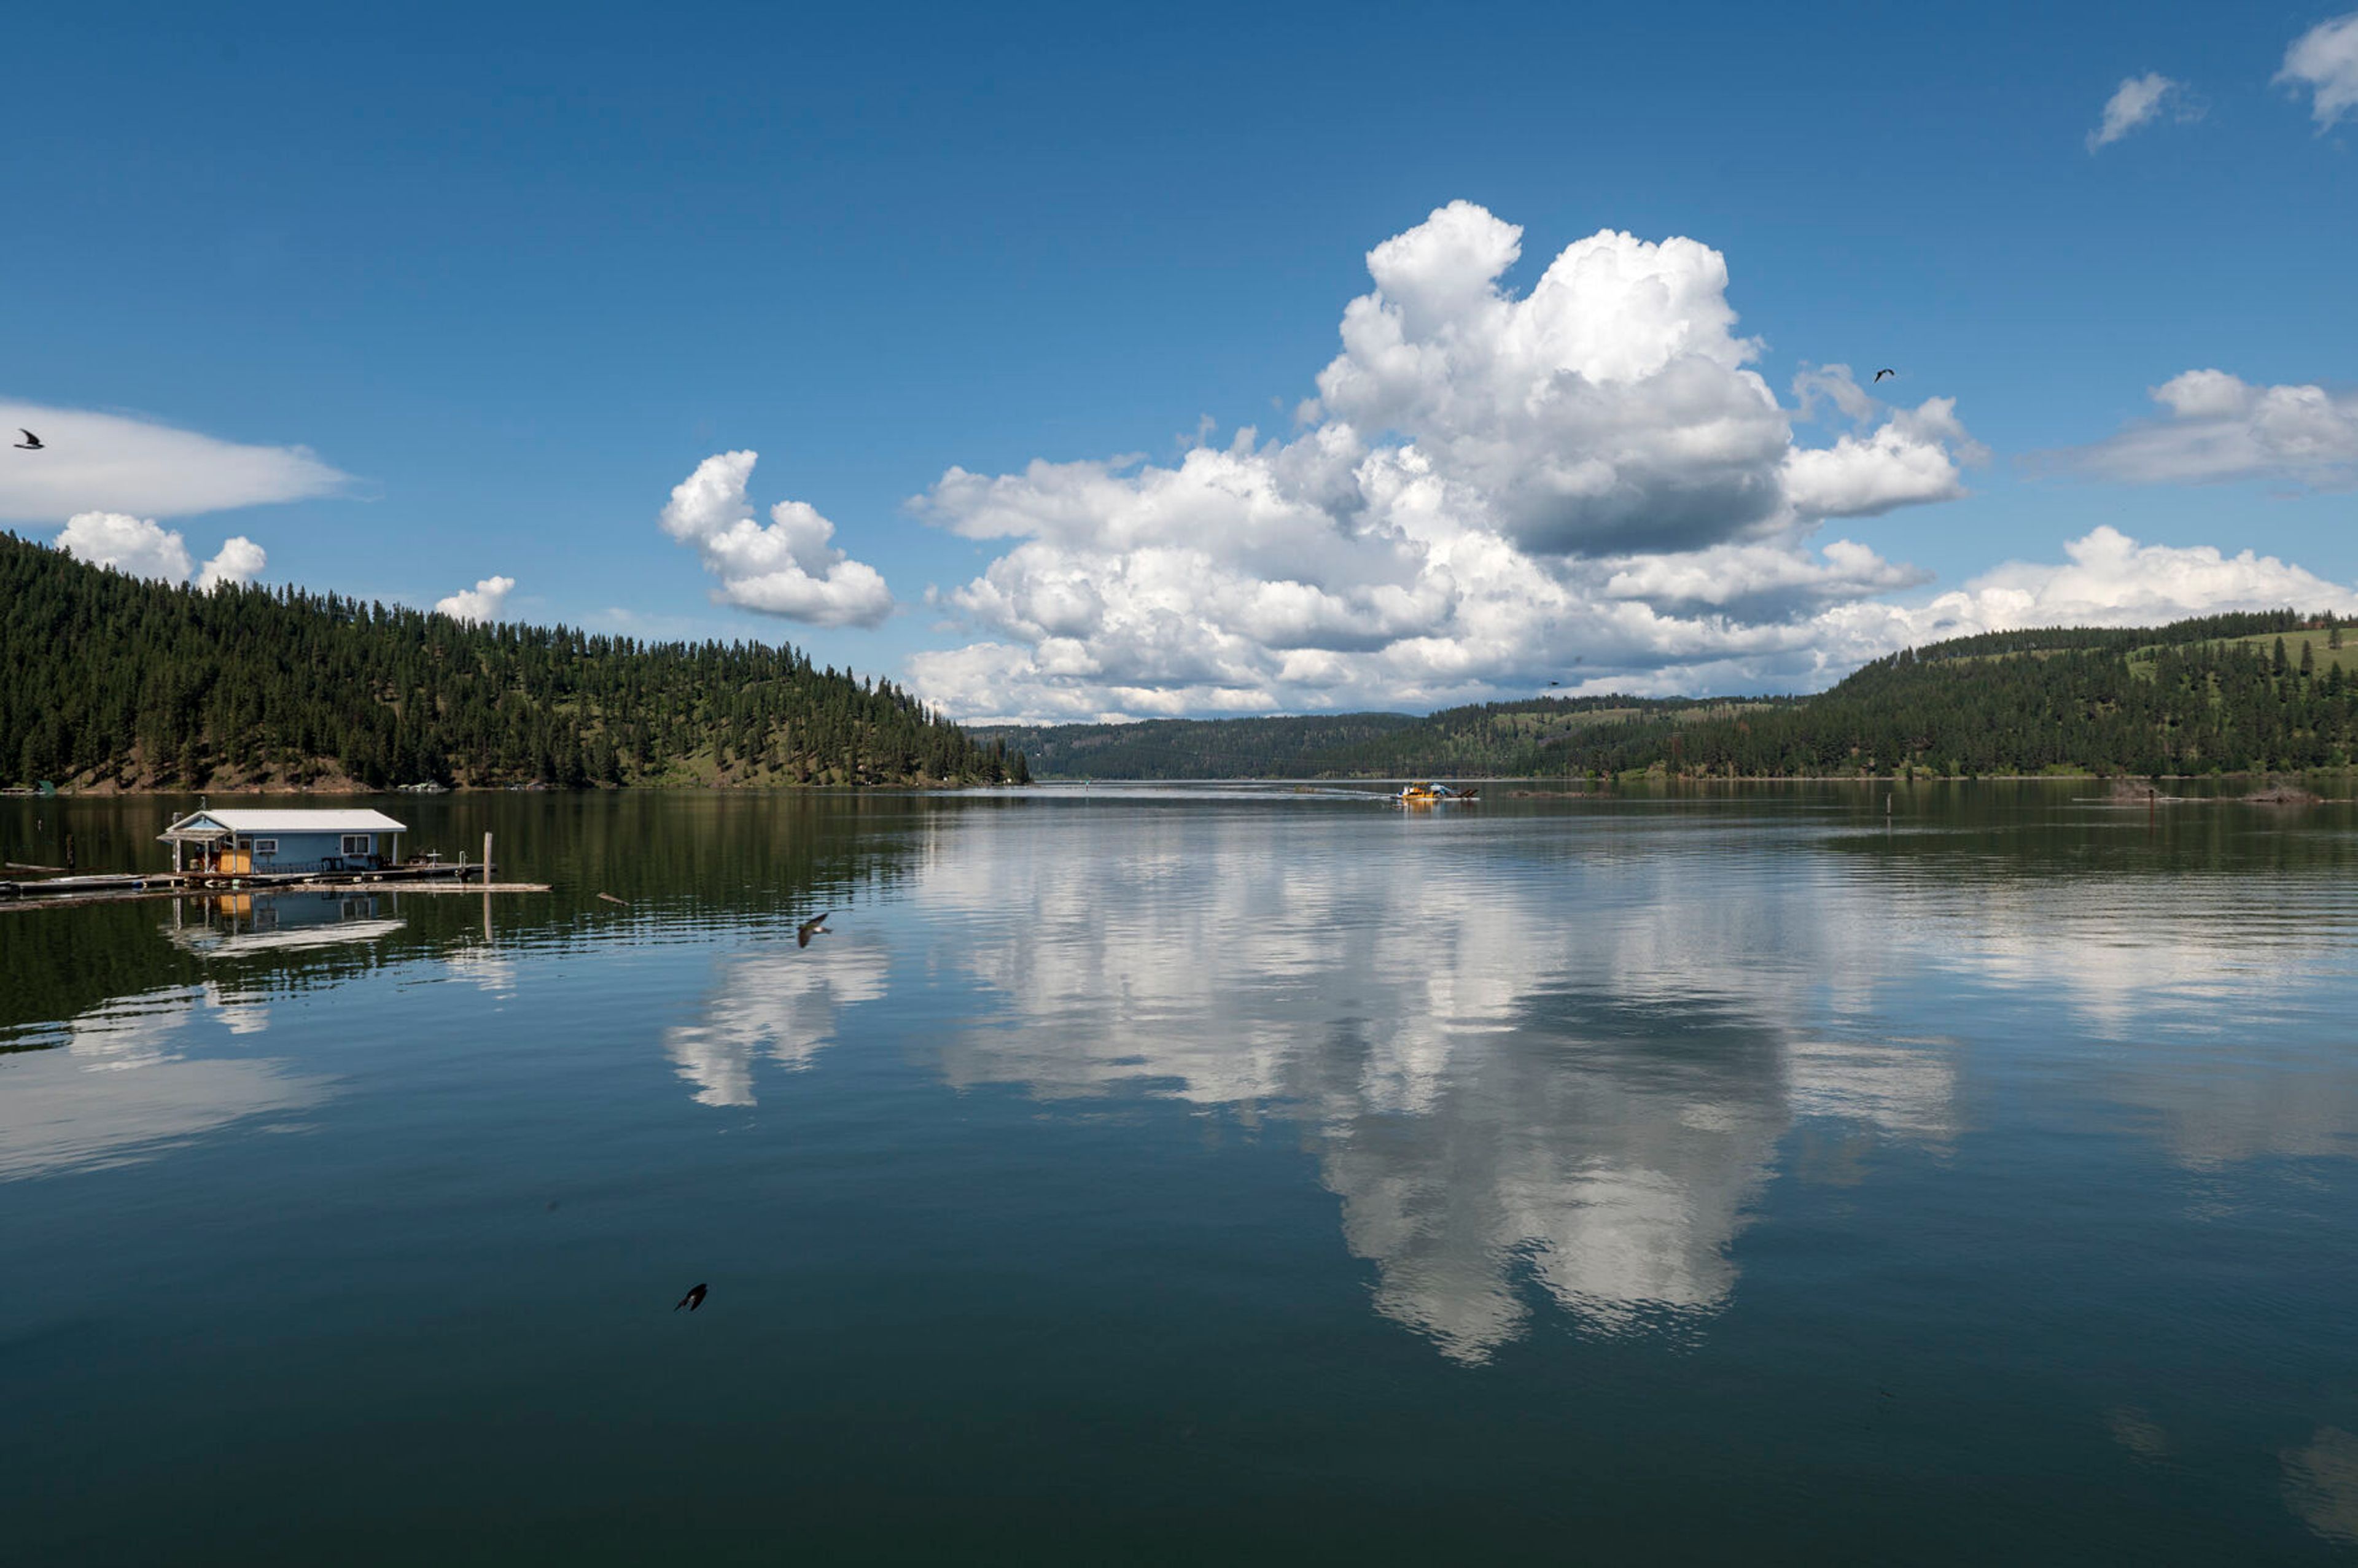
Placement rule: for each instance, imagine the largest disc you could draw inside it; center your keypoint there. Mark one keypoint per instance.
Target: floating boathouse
(258, 842)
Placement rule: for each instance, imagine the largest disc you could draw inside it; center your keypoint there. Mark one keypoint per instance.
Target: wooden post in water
(487, 857)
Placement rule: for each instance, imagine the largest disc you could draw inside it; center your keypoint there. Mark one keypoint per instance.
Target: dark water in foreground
(1199, 1175)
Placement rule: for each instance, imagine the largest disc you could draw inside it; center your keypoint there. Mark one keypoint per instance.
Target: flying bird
(810, 928)
(1880, 375)
(694, 1299)
(31, 443)
(1555, 683)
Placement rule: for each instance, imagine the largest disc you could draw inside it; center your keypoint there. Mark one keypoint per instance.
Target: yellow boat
(1423, 793)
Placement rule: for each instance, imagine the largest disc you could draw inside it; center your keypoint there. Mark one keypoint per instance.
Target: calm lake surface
(1198, 1175)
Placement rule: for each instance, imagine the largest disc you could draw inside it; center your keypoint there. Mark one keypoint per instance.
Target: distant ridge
(113, 682)
(2269, 690)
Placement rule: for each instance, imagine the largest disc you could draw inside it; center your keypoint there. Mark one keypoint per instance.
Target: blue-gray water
(1198, 1176)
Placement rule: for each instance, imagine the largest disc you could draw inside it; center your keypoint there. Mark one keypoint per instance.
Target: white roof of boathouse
(273, 819)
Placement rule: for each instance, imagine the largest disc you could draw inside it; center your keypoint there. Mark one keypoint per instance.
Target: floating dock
(462, 877)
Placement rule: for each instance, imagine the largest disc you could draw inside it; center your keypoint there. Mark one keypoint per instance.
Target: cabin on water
(255, 843)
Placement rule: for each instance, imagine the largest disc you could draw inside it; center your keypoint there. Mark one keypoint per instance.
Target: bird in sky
(31, 443)
(1555, 683)
(694, 1299)
(810, 928)
(1881, 374)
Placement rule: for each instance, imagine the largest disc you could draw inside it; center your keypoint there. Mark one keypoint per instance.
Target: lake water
(1198, 1175)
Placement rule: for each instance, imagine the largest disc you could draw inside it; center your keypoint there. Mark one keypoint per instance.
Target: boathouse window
(356, 843)
(265, 845)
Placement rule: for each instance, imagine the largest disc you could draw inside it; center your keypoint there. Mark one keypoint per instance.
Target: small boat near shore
(1421, 794)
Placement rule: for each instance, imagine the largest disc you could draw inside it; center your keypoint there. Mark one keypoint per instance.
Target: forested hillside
(114, 682)
(2240, 693)
(2225, 694)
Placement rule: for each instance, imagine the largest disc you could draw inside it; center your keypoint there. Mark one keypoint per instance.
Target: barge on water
(1423, 793)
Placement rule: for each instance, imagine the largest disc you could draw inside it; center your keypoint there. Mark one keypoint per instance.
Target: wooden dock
(54, 891)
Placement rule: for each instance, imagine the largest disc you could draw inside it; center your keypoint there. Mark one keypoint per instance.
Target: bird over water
(810, 928)
(693, 1299)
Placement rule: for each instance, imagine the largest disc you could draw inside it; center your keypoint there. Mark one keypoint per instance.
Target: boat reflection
(237, 925)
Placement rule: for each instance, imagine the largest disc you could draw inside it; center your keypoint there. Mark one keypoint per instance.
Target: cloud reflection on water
(776, 999)
(1558, 1058)
(1499, 1076)
(124, 1089)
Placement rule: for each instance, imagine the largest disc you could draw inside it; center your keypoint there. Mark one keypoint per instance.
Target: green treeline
(2252, 692)
(111, 680)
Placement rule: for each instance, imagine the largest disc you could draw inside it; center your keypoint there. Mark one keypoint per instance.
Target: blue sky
(516, 274)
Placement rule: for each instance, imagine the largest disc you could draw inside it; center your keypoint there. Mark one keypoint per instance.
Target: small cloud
(788, 568)
(240, 561)
(113, 463)
(480, 603)
(2220, 428)
(142, 547)
(2324, 60)
(2109, 579)
(2139, 101)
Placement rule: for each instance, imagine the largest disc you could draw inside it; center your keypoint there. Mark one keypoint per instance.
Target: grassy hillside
(118, 683)
(1193, 749)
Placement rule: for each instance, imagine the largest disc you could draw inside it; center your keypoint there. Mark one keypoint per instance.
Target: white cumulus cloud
(2220, 428)
(137, 546)
(2107, 578)
(480, 603)
(144, 548)
(2324, 60)
(240, 560)
(789, 569)
(112, 462)
(2139, 101)
(1488, 485)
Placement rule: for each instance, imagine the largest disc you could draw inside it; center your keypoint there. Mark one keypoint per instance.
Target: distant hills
(117, 683)
(2270, 690)
(112, 682)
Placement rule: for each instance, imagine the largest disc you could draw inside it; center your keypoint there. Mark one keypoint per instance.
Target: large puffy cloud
(482, 602)
(2139, 101)
(112, 462)
(144, 548)
(2324, 60)
(2220, 428)
(789, 569)
(1486, 484)
(1490, 489)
